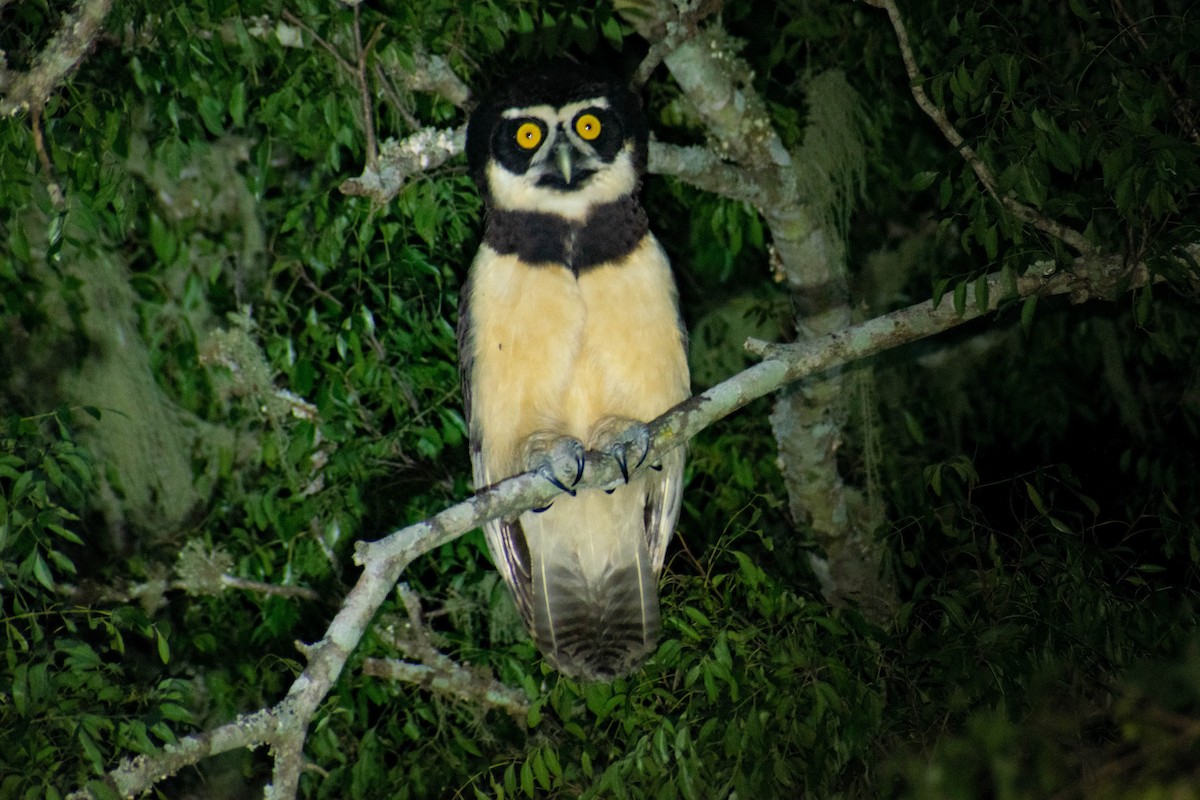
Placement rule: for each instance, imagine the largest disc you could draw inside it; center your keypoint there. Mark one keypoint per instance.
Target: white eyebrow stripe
(542, 112)
(549, 114)
(568, 112)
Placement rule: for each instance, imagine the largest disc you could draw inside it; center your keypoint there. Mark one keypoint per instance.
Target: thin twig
(333, 51)
(52, 185)
(454, 681)
(364, 86)
(260, 587)
(437, 672)
(1069, 236)
(1182, 107)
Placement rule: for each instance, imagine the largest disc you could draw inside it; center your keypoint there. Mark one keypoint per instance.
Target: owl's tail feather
(596, 623)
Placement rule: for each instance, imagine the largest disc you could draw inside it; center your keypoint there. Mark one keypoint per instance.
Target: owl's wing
(664, 496)
(506, 543)
(505, 539)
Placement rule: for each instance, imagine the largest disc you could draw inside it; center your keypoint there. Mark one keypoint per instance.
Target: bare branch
(1069, 236)
(260, 587)
(364, 86)
(702, 168)
(448, 678)
(438, 673)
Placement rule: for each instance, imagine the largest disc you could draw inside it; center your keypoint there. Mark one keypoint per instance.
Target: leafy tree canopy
(227, 354)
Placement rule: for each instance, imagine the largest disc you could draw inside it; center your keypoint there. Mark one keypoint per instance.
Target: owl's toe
(627, 441)
(558, 459)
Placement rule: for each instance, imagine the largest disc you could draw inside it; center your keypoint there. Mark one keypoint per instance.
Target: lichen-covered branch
(77, 33)
(400, 160)
(438, 673)
(804, 195)
(704, 169)
(285, 725)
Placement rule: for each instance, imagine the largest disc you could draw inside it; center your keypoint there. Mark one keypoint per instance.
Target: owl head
(560, 140)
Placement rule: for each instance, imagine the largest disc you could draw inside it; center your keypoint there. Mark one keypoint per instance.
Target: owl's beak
(564, 159)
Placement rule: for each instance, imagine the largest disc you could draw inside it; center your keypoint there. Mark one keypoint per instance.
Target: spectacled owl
(569, 340)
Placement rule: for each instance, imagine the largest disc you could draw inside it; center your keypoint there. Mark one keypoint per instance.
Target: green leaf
(922, 180)
(237, 104)
(1058, 524)
(162, 241)
(945, 192)
(1008, 280)
(960, 298)
(19, 691)
(212, 112)
(18, 245)
(90, 751)
(981, 291)
(164, 646)
(1035, 497)
(64, 533)
(914, 428)
(527, 779)
(939, 290)
(41, 571)
(933, 478)
(552, 762)
(611, 29)
(1010, 73)
(1143, 307)
(540, 771)
(1027, 311)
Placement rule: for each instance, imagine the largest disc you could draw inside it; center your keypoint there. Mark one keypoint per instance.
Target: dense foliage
(212, 362)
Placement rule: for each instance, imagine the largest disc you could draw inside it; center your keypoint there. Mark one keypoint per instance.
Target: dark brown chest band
(610, 233)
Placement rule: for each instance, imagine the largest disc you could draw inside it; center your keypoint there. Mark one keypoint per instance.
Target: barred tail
(595, 593)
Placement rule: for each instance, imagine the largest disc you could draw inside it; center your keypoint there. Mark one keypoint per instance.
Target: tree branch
(437, 672)
(704, 169)
(60, 57)
(400, 160)
(1072, 238)
(285, 725)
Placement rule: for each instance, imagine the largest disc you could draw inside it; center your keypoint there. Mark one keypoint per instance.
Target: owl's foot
(626, 440)
(559, 459)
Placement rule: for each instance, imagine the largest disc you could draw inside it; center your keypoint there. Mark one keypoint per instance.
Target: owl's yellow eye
(587, 126)
(529, 135)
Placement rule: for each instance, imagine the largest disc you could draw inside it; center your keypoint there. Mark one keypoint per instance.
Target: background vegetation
(218, 371)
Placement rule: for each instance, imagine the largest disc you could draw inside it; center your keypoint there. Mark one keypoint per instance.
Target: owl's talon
(558, 459)
(547, 472)
(627, 438)
(618, 453)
